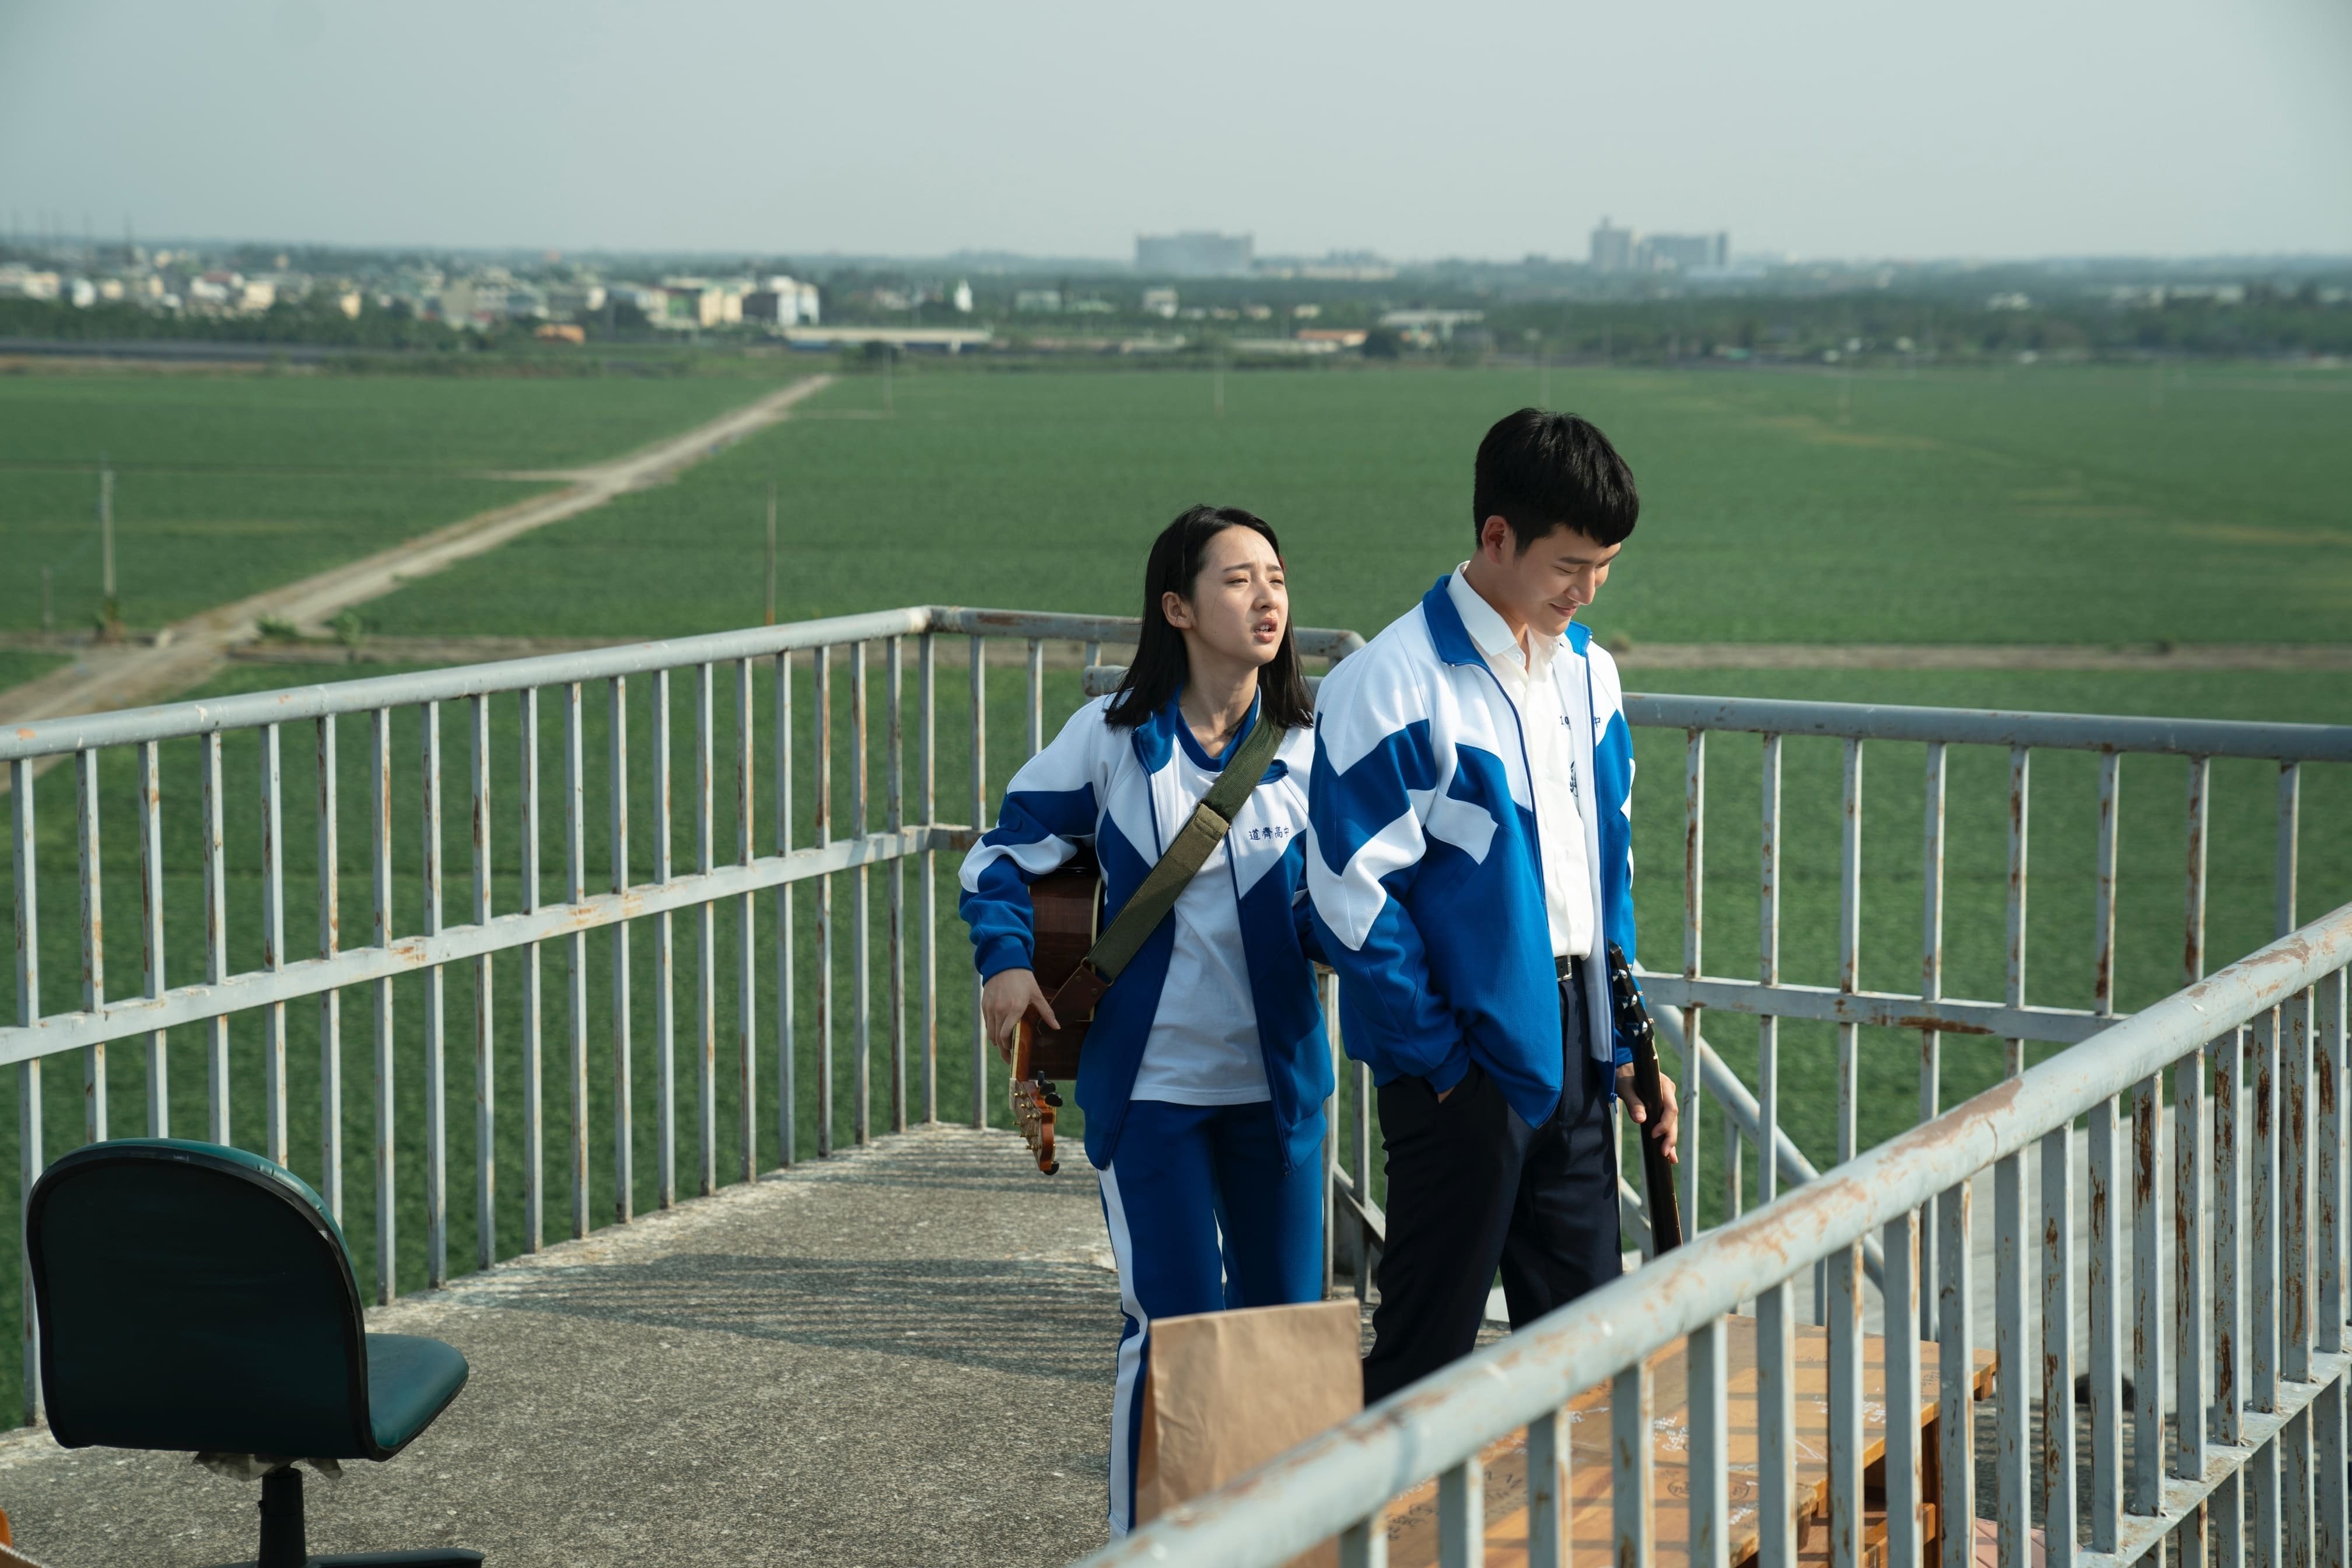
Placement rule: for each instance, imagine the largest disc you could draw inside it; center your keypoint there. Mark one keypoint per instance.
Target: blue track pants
(1203, 1217)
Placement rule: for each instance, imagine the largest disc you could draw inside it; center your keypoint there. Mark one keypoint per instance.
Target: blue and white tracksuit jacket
(1426, 883)
(1207, 1206)
(1115, 790)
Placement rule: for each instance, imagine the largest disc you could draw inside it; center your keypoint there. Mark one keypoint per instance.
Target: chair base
(442, 1557)
(282, 1543)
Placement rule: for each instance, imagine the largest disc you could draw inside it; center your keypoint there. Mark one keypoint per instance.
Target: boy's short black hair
(1538, 472)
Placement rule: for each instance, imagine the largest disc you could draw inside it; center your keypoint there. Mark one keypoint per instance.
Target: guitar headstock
(1035, 1102)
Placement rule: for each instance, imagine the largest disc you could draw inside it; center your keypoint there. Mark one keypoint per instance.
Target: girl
(1206, 1066)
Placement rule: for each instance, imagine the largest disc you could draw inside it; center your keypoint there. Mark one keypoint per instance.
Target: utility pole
(106, 542)
(49, 622)
(1543, 363)
(888, 406)
(771, 553)
(1217, 392)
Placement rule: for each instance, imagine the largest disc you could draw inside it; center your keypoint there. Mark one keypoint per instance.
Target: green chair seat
(410, 1382)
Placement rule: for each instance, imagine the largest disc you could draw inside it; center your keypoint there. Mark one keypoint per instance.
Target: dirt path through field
(103, 679)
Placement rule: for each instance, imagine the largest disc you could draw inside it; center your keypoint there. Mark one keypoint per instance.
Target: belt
(1564, 968)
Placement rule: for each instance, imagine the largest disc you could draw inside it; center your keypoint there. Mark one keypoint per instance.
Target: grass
(2055, 506)
(1042, 492)
(18, 666)
(228, 485)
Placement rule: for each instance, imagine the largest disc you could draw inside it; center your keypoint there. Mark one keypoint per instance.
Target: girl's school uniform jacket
(1424, 866)
(1126, 792)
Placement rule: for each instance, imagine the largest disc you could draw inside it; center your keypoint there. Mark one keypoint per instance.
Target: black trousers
(1472, 1187)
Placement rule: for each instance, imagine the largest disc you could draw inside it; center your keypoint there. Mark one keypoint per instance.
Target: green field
(227, 485)
(18, 666)
(2051, 506)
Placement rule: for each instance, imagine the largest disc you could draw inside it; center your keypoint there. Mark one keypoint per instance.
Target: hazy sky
(1994, 127)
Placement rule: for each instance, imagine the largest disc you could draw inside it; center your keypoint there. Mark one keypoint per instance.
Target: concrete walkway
(901, 1356)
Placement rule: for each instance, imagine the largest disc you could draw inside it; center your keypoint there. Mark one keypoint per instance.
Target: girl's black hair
(1160, 664)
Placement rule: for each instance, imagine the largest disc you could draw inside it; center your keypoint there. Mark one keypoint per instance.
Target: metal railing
(2252, 1316)
(740, 683)
(631, 890)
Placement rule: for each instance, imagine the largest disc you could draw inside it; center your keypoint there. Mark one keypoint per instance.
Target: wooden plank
(1412, 1518)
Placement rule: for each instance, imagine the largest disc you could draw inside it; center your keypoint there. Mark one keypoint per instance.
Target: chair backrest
(194, 1297)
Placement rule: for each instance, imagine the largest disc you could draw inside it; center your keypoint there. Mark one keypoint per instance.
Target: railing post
(2105, 1304)
(979, 826)
(706, 941)
(150, 939)
(1849, 1068)
(927, 810)
(88, 882)
(1768, 1028)
(387, 1197)
(1846, 1457)
(534, 994)
(215, 873)
(30, 1161)
(1955, 1377)
(861, 1115)
(437, 1010)
(2148, 1296)
(575, 890)
(1694, 905)
(486, 1123)
(2056, 1476)
(330, 1001)
(1709, 1379)
(665, 954)
(821, 672)
(1776, 1421)
(747, 935)
(1548, 1494)
(1899, 1294)
(616, 769)
(787, 1068)
(2012, 1419)
(1632, 1482)
(2020, 780)
(1931, 988)
(274, 953)
(895, 820)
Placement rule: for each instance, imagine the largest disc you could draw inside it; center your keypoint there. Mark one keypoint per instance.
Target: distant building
(1430, 327)
(782, 302)
(1042, 301)
(570, 301)
(1684, 252)
(1196, 253)
(963, 300)
(1160, 302)
(688, 303)
(1612, 248)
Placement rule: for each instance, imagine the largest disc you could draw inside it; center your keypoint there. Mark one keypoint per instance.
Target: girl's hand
(1011, 995)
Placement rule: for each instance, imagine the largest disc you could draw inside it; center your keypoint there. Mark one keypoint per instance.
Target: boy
(1470, 860)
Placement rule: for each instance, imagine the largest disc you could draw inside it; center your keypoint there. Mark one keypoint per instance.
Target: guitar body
(1064, 905)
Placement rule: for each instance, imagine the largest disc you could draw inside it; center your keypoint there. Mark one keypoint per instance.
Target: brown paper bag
(1229, 1391)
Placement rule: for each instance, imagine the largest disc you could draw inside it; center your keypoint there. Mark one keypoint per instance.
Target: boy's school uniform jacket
(1119, 791)
(1423, 868)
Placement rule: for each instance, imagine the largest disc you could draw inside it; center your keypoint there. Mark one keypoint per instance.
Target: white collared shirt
(1525, 671)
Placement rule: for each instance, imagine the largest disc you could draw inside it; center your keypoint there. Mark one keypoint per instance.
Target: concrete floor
(901, 1356)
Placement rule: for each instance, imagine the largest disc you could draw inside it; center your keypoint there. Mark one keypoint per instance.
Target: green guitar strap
(1189, 850)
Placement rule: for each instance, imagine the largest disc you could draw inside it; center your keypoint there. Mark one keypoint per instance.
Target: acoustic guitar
(1064, 908)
